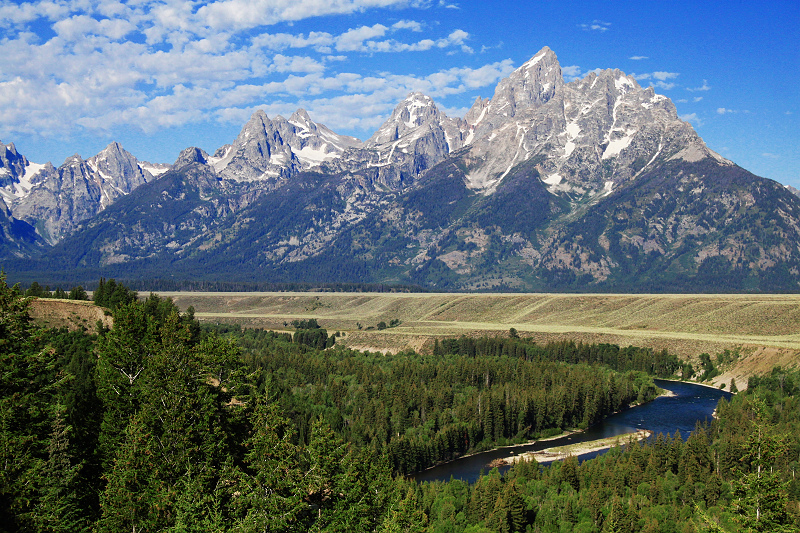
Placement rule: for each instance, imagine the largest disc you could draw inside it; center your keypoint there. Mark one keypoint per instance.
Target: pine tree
(133, 499)
(271, 496)
(59, 506)
(28, 383)
(405, 516)
(761, 499)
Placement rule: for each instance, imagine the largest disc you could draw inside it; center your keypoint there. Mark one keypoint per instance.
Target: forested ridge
(159, 424)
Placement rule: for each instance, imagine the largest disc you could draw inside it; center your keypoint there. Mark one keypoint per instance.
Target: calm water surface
(691, 403)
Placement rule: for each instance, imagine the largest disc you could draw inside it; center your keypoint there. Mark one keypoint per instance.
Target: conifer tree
(58, 509)
(271, 488)
(28, 382)
(761, 499)
(405, 516)
(133, 499)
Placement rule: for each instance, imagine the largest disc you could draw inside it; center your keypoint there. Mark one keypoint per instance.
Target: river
(666, 414)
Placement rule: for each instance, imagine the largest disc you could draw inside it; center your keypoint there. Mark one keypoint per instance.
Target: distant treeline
(156, 285)
(106, 293)
(655, 363)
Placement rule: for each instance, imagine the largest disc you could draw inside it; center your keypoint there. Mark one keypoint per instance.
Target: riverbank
(698, 383)
(559, 453)
(555, 454)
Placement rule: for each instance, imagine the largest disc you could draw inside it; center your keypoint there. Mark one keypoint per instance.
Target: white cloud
(596, 25)
(770, 155)
(281, 63)
(362, 39)
(571, 72)
(697, 99)
(704, 87)
(692, 118)
(665, 75)
(638, 58)
(282, 41)
(353, 40)
(97, 65)
(725, 111)
(407, 25)
(366, 101)
(247, 14)
(660, 78)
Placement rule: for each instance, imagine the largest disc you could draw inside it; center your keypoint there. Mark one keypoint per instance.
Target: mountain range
(592, 185)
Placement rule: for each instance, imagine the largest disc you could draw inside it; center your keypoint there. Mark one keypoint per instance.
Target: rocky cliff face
(596, 183)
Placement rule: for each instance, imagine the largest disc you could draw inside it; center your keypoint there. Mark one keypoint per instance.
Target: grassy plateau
(763, 329)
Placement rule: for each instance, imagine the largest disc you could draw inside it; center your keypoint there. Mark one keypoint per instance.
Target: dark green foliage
(26, 416)
(77, 293)
(315, 338)
(111, 294)
(428, 409)
(310, 323)
(656, 363)
(270, 491)
(37, 291)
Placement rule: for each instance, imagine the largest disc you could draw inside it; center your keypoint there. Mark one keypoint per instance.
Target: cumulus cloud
(363, 102)
(248, 14)
(363, 39)
(660, 78)
(152, 64)
(570, 73)
(412, 25)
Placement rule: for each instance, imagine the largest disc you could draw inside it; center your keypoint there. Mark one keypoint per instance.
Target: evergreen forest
(159, 424)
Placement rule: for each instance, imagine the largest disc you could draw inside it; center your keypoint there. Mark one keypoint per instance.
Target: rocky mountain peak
(12, 165)
(120, 167)
(191, 155)
(301, 119)
(270, 149)
(414, 111)
(532, 85)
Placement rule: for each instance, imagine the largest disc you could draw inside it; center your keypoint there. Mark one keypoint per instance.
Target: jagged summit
(530, 86)
(416, 136)
(275, 149)
(414, 111)
(116, 164)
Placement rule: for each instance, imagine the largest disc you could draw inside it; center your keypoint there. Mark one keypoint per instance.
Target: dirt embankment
(72, 314)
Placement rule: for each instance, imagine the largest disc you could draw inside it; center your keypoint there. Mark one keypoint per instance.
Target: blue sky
(159, 76)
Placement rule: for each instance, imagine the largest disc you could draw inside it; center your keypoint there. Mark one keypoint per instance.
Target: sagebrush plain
(764, 330)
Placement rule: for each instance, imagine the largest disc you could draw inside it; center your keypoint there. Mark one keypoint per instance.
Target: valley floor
(764, 329)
